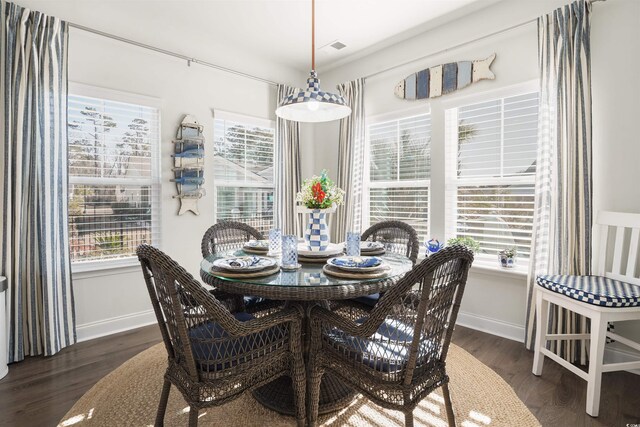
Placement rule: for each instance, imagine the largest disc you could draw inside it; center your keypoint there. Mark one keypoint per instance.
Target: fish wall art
(443, 79)
(188, 162)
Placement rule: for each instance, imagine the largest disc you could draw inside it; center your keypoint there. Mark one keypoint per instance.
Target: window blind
(113, 178)
(244, 172)
(399, 171)
(492, 190)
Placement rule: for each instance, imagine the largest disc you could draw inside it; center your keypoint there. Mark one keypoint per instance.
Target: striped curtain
(563, 202)
(350, 160)
(34, 247)
(287, 170)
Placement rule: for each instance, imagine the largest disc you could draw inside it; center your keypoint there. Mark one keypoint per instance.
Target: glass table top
(308, 275)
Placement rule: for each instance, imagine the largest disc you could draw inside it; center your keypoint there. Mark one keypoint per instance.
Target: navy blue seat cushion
(387, 350)
(250, 301)
(596, 290)
(369, 300)
(208, 353)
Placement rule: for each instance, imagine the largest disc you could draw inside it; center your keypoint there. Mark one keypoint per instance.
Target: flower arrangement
(320, 192)
(510, 252)
(507, 257)
(469, 242)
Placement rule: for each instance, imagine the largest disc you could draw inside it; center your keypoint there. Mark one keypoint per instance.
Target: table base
(278, 395)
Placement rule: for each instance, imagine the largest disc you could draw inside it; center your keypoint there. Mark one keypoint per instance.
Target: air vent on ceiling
(338, 45)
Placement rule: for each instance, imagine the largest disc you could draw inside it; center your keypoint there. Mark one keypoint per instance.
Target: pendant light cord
(313, 34)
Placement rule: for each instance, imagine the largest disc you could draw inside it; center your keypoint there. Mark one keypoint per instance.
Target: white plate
(332, 250)
(371, 246)
(244, 263)
(333, 262)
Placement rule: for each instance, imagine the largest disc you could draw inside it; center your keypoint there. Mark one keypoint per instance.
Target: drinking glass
(353, 243)
(289, 251)
(275, 241)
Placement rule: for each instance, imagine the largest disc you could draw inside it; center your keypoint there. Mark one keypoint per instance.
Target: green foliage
(110, 243)
(469, 242)
(511, 252)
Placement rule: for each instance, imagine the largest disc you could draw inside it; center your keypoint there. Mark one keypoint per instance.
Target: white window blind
(243, 170)
(399, 171)
(491, 176)
(113, 178)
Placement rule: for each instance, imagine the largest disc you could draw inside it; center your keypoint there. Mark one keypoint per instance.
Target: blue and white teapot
(433, 246)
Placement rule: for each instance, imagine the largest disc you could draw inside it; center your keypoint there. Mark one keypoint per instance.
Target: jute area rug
(129, 396)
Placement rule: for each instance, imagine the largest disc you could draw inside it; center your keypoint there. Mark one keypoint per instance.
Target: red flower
(318, 193)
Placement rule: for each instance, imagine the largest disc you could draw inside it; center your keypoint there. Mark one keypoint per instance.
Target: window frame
(247, 120)
(397, 115)
(453, 182)
(84, 90)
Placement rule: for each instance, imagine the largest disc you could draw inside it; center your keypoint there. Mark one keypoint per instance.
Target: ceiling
(278, 30)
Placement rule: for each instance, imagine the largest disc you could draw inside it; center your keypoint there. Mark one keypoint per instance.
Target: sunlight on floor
(484, 419)
(77, 419)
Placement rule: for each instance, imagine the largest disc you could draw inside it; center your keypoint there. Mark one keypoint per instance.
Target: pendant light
(311, 104)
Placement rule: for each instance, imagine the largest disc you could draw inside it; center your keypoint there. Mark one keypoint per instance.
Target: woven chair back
(397, 237)
(423, 306)
(227, 235)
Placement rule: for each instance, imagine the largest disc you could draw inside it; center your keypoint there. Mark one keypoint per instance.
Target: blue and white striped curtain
(563, 204)
(350, 160)
(34, 250)
(287, 169)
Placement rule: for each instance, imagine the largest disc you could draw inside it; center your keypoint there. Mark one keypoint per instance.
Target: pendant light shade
(311, 104)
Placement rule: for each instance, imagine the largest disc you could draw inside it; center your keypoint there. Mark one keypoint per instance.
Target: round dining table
(309, 285)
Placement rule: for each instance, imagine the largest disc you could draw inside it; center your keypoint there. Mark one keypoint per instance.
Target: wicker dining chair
(394, 354)
(228, 235)
(214, 355)
(397, 237)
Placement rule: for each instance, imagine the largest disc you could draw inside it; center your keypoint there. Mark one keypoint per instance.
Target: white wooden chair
(610, 295)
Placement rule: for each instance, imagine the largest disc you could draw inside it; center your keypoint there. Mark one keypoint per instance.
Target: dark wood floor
(39, 391)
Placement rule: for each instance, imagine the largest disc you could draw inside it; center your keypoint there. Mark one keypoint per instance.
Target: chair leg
(162, 406)
(448, 406)
(408, 419)
(298, 378)
(193, 417)
(313, 396)
(596, 355)
(542, 321)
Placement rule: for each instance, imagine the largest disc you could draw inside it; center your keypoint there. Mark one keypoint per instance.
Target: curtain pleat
(561, 241)
(350, 160)
(34, 251)
(287, 170)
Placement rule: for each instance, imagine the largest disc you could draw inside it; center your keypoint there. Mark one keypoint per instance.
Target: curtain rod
(459, 45)
(189, 60)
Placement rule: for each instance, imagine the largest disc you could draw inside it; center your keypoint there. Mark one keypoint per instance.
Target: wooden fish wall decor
(444, 79)
(188, 163)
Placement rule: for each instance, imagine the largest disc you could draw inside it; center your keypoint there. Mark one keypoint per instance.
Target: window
(491, 166)
(113, 178)
(397, 186)
(243, 170)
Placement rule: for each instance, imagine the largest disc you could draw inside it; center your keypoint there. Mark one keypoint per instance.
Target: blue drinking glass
(289, 251)
(353, 243)
(275, 241)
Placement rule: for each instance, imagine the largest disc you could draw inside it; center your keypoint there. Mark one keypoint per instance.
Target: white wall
(495, 301)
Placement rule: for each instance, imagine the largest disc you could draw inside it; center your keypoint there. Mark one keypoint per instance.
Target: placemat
(336, 272)
(239, 275)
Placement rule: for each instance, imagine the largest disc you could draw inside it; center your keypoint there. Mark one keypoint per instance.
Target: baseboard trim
(113, 325)
(491, 326)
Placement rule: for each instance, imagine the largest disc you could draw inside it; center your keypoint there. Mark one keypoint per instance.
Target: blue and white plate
(371, 246)
(258, 244)
(244, 263)
(356, 263)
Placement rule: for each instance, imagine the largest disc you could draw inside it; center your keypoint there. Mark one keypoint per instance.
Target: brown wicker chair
(232, 235)
(397, 237)
(215, 356)
(227, 235)
(394, 354)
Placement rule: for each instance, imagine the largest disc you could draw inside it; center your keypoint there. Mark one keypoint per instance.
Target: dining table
(307, 286)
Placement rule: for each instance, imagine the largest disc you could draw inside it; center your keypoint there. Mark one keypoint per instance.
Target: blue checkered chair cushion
(596, 290)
